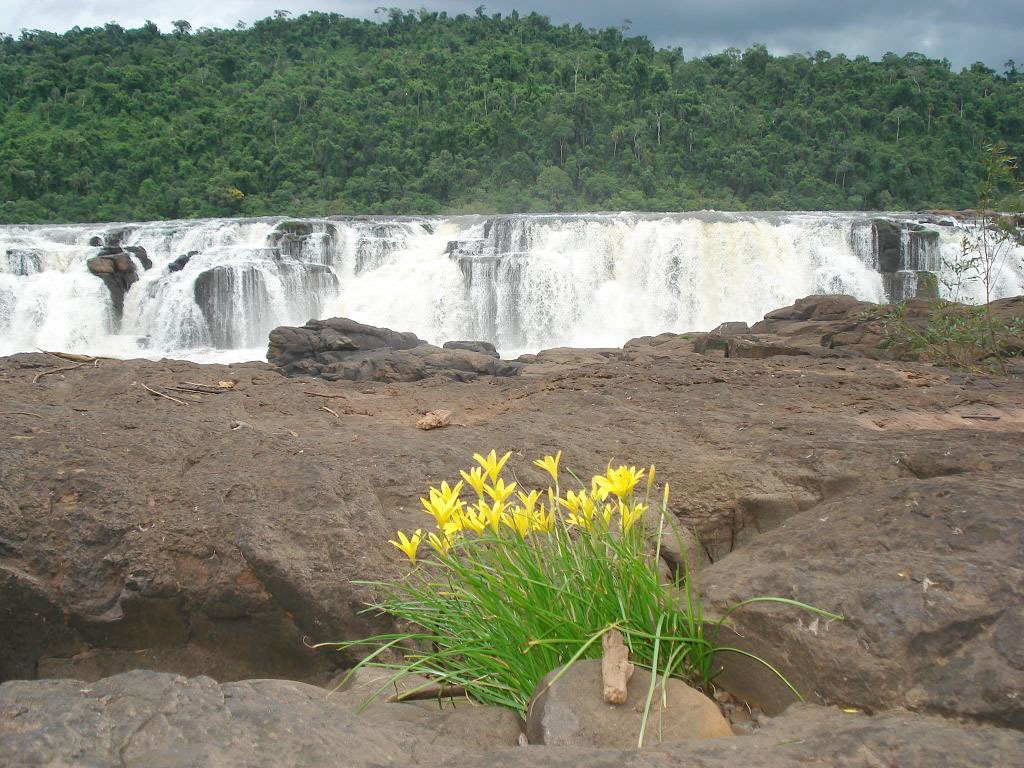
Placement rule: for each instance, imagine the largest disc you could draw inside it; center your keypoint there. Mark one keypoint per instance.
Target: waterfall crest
(524, 282)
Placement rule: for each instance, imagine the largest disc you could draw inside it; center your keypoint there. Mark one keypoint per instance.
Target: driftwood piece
(71, 356)
(435, 419)
(616, 668)
(161, 394)
(38, 376)
(324, 394)
(439, 691)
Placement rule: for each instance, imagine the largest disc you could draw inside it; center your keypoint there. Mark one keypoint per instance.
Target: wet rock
(887, 236)
(117, 271)
(480, 347)
(340, 348)
(140, 253)
(570, 711)
(181, 262)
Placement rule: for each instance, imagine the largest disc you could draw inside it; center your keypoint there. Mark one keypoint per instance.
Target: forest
(424, 113)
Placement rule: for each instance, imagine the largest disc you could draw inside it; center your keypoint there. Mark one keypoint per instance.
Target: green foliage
(427, 113)
(498, 607)
(955, 335)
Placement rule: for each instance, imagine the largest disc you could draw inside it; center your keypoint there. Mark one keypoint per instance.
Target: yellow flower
(528, 500)
(606, 514)
(628, 515)
(441, 544)
(444, 503)
(518, 521)
(499, 491)
(543, 521)
(473, 521)
(550, 465)
(453, 527)
(491, 464)
(619, 481)
(491, 514)
(408, 545)
(475, 478)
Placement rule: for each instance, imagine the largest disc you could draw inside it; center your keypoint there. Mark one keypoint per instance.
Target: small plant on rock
(521, 581)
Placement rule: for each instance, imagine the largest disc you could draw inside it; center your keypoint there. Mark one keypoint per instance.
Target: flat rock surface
(158, 720)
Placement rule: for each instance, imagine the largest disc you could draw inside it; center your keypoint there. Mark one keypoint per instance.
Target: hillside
(425, 113)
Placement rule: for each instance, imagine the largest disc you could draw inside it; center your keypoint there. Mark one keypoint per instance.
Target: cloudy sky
(963, 31)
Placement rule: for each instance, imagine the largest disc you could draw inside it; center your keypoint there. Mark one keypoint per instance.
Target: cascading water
(217, 287)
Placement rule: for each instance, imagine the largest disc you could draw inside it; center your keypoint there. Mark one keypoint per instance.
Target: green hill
(426, 113)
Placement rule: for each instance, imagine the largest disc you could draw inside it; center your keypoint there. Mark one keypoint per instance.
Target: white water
(522, 282)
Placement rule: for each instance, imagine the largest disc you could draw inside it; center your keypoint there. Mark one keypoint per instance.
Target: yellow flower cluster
(500, 505)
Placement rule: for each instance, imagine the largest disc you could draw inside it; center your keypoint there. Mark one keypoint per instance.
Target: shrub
(521, 582)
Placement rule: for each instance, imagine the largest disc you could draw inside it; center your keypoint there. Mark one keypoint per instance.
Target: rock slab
(570, 711)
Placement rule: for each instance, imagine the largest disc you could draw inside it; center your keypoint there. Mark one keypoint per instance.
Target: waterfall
(217, 287)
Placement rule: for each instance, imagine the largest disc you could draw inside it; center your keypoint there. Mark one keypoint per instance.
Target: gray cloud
(963, 32)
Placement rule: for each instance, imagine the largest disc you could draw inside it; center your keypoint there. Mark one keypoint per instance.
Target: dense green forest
(427, 113)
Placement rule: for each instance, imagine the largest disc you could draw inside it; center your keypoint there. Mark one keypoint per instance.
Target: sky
(963, 31)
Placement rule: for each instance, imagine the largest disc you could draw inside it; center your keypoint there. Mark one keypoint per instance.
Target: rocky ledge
(207, 522)
(340, 348)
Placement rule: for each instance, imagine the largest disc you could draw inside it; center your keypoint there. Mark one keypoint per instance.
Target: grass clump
(519, 582)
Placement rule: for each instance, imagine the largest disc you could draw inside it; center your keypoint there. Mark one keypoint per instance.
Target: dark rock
(117, 271)
(101, 265)
(926, 574)
(340, 348)
(95, 241)
(140, 253)
(888, 245)
(480, 347)
(179, 263)
(570, 711)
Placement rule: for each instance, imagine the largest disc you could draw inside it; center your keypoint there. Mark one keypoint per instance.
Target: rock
(888, 238)
(435, 419)
(140, 253)
(480, 347)
(117, 271)
(181, 262)
(340, 348)
(926, 573)
(143, 719)
(101, 265)
(571, 711)
(804, 736)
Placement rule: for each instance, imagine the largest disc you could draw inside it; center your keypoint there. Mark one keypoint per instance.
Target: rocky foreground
(171, 533)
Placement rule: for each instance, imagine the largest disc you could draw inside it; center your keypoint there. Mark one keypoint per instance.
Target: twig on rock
(161, 394)
(333, 413)
(38, 376)
(616, 668)
(439, 691)
(322, 394)
(70, 356)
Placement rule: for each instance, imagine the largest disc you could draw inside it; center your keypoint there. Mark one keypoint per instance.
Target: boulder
(143, 719)
(140, 253)
(342, 349)
(117, 271)
(570, 711)
(926, 573)
(480, 347)
(181, 262)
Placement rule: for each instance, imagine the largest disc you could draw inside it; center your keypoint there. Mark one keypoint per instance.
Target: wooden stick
(161, 394)
(20, 413)
(70, 356)
(616, 668)
(439, 691)
(333, 413)
(321, 394)
(38, 376)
